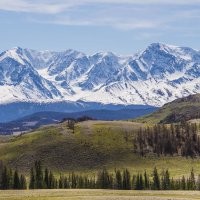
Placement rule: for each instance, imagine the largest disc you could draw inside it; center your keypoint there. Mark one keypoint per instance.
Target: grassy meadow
(94, 145)
(97, 195)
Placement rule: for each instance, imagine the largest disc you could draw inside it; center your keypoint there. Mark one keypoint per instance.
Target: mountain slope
(155, 76)
(182, 109)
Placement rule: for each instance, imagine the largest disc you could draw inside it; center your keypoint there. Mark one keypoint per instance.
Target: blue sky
(121, 26)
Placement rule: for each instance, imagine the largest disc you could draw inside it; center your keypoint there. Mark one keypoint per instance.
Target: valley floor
(97, 195)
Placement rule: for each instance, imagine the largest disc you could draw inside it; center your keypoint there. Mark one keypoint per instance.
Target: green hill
(94, 144)
(183, 109)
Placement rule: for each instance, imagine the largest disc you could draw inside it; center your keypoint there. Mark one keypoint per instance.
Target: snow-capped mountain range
(155, 76)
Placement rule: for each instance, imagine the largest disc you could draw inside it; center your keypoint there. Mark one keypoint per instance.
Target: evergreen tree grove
(121, 180)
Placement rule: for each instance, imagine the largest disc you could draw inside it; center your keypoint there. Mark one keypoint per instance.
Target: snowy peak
(15, 54)
(161, 60)
(39, 59)
(157, 75)
(184, 53)
(19, 81)
(63, 60)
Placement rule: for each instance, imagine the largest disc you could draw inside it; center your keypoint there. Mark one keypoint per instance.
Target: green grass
(94, 145)
(97, 195)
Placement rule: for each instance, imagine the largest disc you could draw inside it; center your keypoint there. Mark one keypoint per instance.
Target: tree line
(119, 180)
(181, 139)
(10, 179)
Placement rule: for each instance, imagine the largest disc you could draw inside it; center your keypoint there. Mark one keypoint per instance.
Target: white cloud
(122, 25)
(135, 25)
(58, 6)
(34, 6)
(121, 14)
(159, 2)
(70, 22)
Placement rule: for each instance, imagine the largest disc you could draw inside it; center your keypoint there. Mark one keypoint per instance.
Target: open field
(98, 195)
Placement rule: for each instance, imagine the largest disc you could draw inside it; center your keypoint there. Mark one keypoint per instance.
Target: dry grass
(97, 195)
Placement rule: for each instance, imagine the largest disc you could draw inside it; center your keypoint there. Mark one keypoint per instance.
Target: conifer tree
(141, 182)
(183, 183)
(192, 179)
(118, 179)
(16, 180)
(137, 182)
(10, 179)
(74, 180)
(198, 182)
(61, 182)
(32, 183)
(51, 181)
(81, 183)
(166, 180)
(146, 180)
(5, 178)
(46, 177)
(103, 179)
(156, 180)
(126, 180)
(39, 175)
(66, 183)
(23, 184)
(172, 184)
